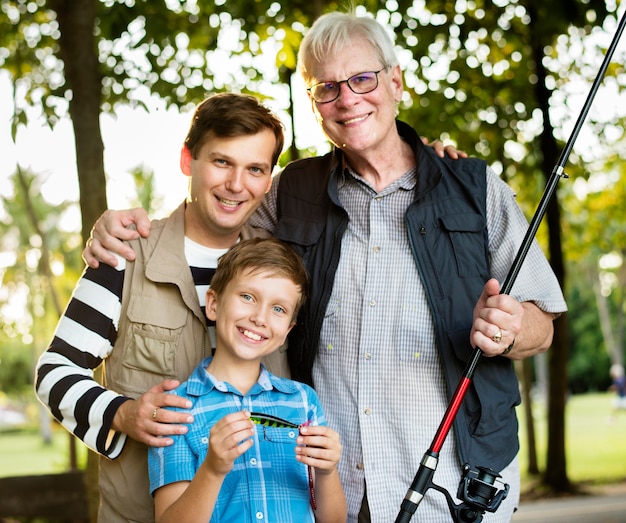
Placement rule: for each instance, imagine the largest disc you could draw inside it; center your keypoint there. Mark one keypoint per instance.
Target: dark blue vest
(447, 230)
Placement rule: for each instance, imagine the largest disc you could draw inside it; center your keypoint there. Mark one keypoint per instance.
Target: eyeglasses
(361, 83)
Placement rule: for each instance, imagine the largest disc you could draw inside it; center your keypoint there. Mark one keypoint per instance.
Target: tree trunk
(286, 77)
(620, 322)
(556, 467)
(613, 349)
(78, 50)
(525, 369)
(555, 475)
(82, 75)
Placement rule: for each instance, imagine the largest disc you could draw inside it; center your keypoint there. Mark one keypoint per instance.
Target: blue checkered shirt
(267, 484)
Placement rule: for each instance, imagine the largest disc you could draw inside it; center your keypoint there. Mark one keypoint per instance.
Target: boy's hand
(319, 447)
(230, 438)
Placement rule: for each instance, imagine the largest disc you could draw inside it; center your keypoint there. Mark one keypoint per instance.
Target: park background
(96, 98)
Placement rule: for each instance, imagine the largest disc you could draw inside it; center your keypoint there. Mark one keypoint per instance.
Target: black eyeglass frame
(346, 81)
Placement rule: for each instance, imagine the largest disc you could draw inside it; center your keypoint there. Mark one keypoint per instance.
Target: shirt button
(372, 303)
(367, 411)
(253, 461)
(259, 515)
(376, 248)
(359, 466)
(367, 356)
(292, 434)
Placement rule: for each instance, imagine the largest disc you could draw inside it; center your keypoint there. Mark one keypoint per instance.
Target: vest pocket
(493, 394)
(468, 245)
(302, 235)
(497, 391)
(153, 337)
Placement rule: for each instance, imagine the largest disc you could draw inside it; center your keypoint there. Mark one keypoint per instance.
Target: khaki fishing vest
(162, 333)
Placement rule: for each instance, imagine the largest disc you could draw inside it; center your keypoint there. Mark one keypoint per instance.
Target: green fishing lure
(271, 421)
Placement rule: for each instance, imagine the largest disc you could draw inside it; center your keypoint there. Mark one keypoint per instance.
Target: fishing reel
(480, 491)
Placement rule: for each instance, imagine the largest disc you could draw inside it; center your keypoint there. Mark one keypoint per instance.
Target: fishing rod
(477, 489)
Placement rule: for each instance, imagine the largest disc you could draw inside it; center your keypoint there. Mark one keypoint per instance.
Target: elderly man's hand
(504, 326)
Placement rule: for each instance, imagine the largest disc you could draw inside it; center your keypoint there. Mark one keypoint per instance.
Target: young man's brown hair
(227, 115)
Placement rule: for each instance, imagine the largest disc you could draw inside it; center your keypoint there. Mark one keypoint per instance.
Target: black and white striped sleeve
(84, 337)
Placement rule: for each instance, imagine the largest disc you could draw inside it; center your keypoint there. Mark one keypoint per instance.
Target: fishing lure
(267, 420)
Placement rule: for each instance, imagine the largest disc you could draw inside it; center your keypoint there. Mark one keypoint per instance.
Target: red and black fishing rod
(477, 487)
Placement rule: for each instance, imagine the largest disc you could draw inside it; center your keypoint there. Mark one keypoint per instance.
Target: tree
(482, 70)
(598, 226)
(34, 286)
(588, 362)
(81, 68)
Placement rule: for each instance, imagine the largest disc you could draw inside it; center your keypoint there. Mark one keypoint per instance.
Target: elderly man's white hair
(330, 35)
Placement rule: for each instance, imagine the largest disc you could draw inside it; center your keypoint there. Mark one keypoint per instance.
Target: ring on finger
(154, 413)
(497, 337)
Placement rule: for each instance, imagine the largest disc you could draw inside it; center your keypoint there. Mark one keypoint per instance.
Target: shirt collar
(201, 382)
(406, 182)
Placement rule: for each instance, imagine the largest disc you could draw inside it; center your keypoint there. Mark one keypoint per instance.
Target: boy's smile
(253, 315)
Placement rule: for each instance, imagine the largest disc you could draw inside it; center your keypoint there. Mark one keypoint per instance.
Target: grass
(596, 449)
(24, 453)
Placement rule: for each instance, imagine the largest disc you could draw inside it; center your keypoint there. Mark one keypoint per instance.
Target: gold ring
(498, 336)
(154, 413)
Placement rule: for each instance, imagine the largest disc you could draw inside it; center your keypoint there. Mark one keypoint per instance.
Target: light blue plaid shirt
(267, 484)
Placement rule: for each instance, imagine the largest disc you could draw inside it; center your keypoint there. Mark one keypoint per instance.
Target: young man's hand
(320, 448)
(441, 150)
(144, 419)
(109, 232)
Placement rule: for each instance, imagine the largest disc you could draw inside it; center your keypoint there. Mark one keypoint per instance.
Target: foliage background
(502, 79)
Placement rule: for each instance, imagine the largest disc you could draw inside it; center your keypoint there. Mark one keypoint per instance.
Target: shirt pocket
(277, 449)
(331, 330)
(412, 333)
(279, 435)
